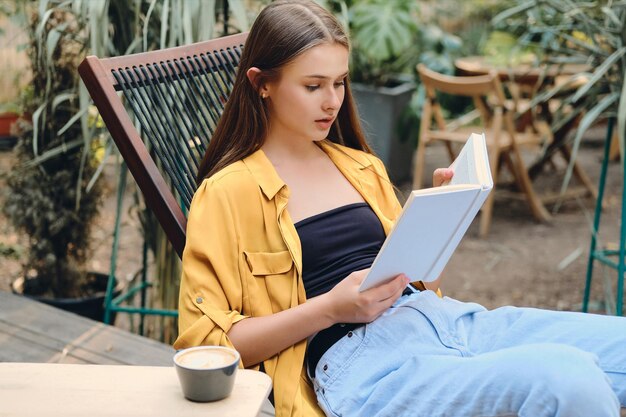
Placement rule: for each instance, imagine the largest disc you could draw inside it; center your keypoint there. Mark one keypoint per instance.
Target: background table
(479, 65)
(36, 389)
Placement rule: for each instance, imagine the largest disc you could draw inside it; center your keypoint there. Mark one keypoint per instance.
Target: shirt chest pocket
(272, 275)
(268, 263)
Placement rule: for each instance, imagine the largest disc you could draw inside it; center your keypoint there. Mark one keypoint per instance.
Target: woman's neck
(280, 151)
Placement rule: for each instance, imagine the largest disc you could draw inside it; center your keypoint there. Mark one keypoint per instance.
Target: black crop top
(336, 243)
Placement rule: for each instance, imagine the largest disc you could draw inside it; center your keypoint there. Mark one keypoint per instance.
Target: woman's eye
(312, 87)
(339, 84)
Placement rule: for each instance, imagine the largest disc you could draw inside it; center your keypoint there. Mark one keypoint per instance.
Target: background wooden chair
(176, 97)
(524, 85)
(495, 119)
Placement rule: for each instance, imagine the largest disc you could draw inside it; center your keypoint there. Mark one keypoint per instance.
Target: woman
(291, 210)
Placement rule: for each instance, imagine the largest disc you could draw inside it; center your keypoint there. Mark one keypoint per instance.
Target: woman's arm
(259, 338)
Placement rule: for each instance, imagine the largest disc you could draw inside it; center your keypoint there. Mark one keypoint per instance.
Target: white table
(38, 389)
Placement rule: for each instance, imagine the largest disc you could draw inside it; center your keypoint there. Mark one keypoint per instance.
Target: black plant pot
(91, 307)
(7, 142)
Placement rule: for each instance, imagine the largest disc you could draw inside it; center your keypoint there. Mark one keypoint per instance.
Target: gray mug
(206, 373)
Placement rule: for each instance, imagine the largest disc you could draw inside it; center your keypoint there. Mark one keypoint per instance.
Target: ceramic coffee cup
(206, 373)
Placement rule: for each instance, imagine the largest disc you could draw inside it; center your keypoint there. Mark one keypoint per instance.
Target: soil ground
(521, 262)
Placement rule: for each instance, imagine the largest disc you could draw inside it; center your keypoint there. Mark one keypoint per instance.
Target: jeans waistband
(324, 340)
(328, 337)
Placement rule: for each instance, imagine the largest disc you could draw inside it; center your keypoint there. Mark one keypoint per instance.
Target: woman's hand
(442, 176)
(348, 305)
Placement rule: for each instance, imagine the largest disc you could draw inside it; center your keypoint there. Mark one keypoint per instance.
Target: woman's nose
(333, 100)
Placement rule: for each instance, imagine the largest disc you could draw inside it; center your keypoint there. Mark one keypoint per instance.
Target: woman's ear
(254, 76)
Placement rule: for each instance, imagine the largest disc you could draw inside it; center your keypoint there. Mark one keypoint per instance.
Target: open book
(434, 220)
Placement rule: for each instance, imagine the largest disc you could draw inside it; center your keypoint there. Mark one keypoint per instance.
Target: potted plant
(383, 35)
(51, 194)
(8, 119)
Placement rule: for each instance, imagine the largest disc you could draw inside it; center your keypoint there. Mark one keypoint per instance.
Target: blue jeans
(432, 357)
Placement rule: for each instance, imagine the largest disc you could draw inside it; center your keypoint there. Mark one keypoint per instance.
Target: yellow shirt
(243, 259)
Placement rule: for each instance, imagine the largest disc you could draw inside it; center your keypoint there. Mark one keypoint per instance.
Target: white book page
(464, 165)
(472, 164)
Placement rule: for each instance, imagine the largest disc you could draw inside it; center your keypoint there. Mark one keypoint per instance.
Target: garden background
(520, 262)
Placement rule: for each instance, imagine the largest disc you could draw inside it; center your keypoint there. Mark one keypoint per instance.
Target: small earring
(263, 96)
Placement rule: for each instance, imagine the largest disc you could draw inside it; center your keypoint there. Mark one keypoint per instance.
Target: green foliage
(46, 197)
(53, 192)
(503, 49)
(389, 39)
(582, 32)
(439, 49)
(383, 37)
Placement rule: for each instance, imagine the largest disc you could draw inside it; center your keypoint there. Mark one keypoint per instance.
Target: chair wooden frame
(159, 87)
(523, 85)
(503, 141)
(103, 88)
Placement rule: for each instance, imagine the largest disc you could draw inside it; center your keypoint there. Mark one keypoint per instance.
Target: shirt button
(325, 367)
(199, 300)
(349, 334)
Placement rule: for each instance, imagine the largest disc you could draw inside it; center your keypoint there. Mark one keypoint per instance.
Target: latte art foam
(205, 359)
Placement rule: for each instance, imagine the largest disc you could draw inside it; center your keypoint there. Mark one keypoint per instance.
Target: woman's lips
(325, 123)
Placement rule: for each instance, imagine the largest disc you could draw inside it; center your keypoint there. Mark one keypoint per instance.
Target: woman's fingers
(391, 289)
(441, 176)
(350, 305)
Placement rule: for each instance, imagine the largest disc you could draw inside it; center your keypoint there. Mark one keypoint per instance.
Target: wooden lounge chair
(176, 96)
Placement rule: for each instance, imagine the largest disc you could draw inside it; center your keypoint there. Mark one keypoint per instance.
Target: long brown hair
(281, 32)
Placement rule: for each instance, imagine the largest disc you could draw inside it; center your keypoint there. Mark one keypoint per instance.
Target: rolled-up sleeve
(211, 293)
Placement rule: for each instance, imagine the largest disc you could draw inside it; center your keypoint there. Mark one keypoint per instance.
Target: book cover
(434, 220)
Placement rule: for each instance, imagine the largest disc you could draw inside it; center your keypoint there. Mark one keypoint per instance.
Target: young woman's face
(305, 100)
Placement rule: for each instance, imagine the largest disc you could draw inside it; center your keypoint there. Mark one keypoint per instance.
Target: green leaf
(238, 9)
(101, 165)
(72, 120)
(611, 16)
(501, 17)
(38, 114)
(132, 48)
(41, 27)
(51, 153)
(588, 119)
(62, 97)
(584, 45)
(599, 73)
(382, 30)
(84, 100)
(52, 40)
(146, 24)
(204, 21)
(164, 24)
(99, 32)
(190, 8)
